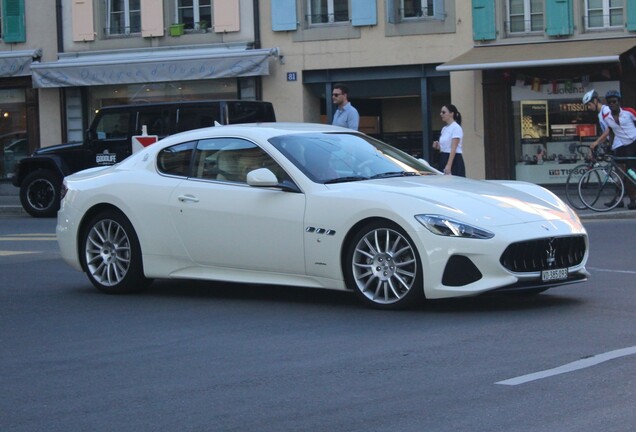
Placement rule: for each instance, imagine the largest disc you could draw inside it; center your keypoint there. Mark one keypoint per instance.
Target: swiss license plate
(554, 274)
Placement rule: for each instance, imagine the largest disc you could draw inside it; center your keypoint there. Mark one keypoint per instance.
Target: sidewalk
(10, 204)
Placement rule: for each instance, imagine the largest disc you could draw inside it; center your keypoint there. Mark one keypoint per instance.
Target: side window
(176, 160)
(123, 17)
(194, 14)
(113, 125)
(157, 121)
(230, 159)
(197, 117)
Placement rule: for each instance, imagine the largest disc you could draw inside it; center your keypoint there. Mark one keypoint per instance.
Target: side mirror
(262, 177)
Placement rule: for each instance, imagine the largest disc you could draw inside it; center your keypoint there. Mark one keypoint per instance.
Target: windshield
(341, 157)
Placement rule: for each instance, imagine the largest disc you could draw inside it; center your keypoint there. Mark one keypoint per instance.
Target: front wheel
(572, 186)
(601, 189)
(111, 255)
(383, 267)
(40, 193)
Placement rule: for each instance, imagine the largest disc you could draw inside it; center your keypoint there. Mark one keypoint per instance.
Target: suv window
(113, 125)
(196, 117)
(157, 121)
(249, 112)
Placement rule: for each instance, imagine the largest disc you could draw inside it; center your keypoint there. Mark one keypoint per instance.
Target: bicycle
(592, 160)
(602, 188)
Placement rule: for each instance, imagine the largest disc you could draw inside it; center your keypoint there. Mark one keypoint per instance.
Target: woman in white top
(451, 160)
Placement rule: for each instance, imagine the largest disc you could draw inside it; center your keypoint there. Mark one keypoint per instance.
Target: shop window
(123, 17)
(13, 137)
(602, 14)
(525, 16)
(550, 125)
(194, 14)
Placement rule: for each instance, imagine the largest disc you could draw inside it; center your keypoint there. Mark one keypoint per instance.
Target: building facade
(516, 69)
(106, 52)
(535, 60)
(386, 52)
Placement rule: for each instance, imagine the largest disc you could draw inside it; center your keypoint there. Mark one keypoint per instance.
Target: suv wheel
(40, 193)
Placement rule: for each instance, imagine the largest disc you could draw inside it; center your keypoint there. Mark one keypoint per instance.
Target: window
(194, 14)
(123, 17)
(525, 16)
(176, 160)
(230, 159)
(416, 8)
(328, 11)
(603, 13)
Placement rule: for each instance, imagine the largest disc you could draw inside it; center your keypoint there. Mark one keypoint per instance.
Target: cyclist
(620, 121)
(592, 102)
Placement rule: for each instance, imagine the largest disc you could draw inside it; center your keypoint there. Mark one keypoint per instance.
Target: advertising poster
(534, 121)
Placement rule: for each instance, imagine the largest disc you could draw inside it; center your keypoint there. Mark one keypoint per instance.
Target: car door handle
(188, 198)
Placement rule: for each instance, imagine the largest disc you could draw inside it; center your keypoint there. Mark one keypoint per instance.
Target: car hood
(487, 203)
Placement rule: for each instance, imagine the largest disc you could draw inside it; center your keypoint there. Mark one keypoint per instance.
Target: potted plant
(203, 25)
(176, 29)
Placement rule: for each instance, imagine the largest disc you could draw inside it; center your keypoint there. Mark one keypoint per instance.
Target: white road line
(11, 253)
(611, 271)
(570, 367)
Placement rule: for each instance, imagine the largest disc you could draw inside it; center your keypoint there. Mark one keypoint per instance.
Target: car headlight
(445, 226)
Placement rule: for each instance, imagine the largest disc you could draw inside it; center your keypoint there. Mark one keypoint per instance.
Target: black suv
(108, 141)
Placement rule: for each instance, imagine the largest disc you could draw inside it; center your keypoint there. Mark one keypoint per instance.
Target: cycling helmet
(613, 93)
(587, 97)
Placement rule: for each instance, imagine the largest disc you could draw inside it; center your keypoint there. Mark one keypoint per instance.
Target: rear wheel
(111, 255)
(40, 193)
(601, 189)
(383, 267)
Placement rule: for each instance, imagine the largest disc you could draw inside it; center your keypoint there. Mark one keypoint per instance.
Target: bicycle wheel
(572, 186)
(601, 189)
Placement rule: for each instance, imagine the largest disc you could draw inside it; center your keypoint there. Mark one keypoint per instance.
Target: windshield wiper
(395, 174)
(346, 179)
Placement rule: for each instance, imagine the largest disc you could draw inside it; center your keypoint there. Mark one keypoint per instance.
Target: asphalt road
(188, 356)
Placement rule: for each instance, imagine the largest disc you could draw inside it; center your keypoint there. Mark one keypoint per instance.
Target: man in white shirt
(621, 122)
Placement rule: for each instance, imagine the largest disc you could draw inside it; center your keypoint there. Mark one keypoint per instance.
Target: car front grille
(543, 254)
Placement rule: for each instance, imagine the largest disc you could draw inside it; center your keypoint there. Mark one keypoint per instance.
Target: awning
(17, 63)
(151, 65)
(540, 54)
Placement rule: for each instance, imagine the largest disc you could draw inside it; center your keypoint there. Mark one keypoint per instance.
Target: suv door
(109, 137)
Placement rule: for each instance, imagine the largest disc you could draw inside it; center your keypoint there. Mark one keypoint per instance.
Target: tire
(601, 189)
(40, 193)
(111, 255)
(572, 186)
(383, 268)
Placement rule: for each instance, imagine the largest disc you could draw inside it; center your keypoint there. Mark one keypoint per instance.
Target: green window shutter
(630, 15)
(559, 17)
(284, 15)
(484, 27)
(364, 13)
(13, 21)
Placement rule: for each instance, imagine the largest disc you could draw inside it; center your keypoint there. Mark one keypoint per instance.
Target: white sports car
(314, 206)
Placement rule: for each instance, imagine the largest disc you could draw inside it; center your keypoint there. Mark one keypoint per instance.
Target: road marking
(22, 238)
(29, 237)
(571, 367)
(10, 253)
(611, 271)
